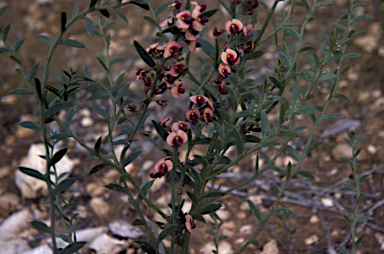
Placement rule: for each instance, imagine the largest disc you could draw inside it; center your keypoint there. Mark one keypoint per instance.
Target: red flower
(188, 223)
(176, 89)
(184, 20)
(224, 70)
(162, 123)
(172, 49)
(177, 69)
(168, 21)
(198, 19)
(216, 32)
(181, 125)
(193, 115)
(162, 167)
(199, 100)
(177, 138)
(230, 57)
(234, 26)
(207, 114)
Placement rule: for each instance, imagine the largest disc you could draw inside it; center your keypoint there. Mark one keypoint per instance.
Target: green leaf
(255, 210)
(72, 43)
(20, 91)
(292, 32)
(350, 187)
(363, 178)
(161, 8)
(322, 4)
(276, 82)
(160, 130)
(242, 40)
(3, 9)
(145, 246)
(145, 189)
(327, 76)
(65, 184)
(115, 187)
(284, 58)
(140, 3)
(288, 134)
(349, 209)
(254, 55)
(239, 142)
(55, 108)
(347, 219)
(339, 247)
(364, 218)
(32, 72)
(338, 26)
(306, 174)
(60, 136)
(333, 116)
(314, 146)
(285, 211)
(305, 110)
(219, 129)
(97, 168)
(41, 226)
(340, 96)
(18, 44)
(202, 160)
(98, 144)
(364, 16)
(209, 208)
(69, 116)
(89, 25)
(116, 60)
(212, 194)
(264, 123)
(100, 111)
(207, 47)
(144, 55)
(29, 125)
(45, 38)
(122, 92)
(32, 172)
(306, 48)
(75, 10)
(352, 55)
(132, 157)
(120, 15)
(150, 20)
(224, 114)
(292, 151)
(3, 50)
(167, 231)
(98, 95)
(58, 156)
(270, 143)
(209, 13)
(73, 247)
(63, 21)
(192, 196)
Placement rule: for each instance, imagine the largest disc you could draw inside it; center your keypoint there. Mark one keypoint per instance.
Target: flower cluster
(189, 24)
(206, 112)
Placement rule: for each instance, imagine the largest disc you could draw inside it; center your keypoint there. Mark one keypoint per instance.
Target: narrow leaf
(146, 187)
(73, 247)
(96, 168)
(29, 125)
(255, 210)
(120, 15)
(63, 21)
(41, 226)
(32, 172)
(333, 116)
(45, 38)
(285, 211)
(144, 55)
(100, 111)
(239, 142)
(58, 156)
(65, 184)
(167, 231)
(72, 43)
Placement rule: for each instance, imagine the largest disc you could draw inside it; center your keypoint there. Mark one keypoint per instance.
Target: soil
(363, 86)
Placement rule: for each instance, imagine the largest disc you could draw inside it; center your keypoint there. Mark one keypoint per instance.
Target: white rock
(225, 248)
(10, 244)
(99, 206)
(31, 187)
(372, 149)
(43, 249)
(16, 222)
(270, 248)
(342, 150)
(106, 244)
(207, 249)
(124, 229)
(311, 240)
(86, 121)
(328, 202)
(246, 229)
(314, 219)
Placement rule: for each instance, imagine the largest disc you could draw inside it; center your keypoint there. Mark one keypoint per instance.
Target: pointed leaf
(333, 116)
(72, 43)
(73, 247)
(239, 142)
(96, 168)
(306, 110)
(65, 184)
(306, 174)
(146, 187)
(161, 8)
(207, 47)
(144, 55)
(264, 123)
(89, 25)
(32, 172)
(3, 9)
(254, 55)
(339, 247)
(41, 226)
(100, 111)
(255, 210)
(167, 231)
(29, 125)
(285, 211)
(58, 156)
(120, 15)
(209, 208)
(55, 108)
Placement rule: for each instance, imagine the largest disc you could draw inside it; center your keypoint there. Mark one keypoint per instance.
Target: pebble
(241, 215)
(342, 150)
(244, 206)
(99, 206)
(16, 222)
(246, 229)
(9, 201)
(372, 149)
(107, 244)
(311, 240)
(270, 248)
(380, 51)
(363, 96)
(94, 190)
(367, 43)
(43, 249)
(31, 187)
(124, 229)
(352, 76)
(86, 122)
(223, 214)
(314, 219)
(11, 244)
(328, 202)
(380, 240)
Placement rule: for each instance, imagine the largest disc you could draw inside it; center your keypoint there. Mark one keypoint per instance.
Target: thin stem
(174, 215)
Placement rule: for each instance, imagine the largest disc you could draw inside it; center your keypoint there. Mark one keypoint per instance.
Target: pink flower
(234, 26)
(216, 32)
(198, 19)
(176, 89)
(199, 100)
(172, 49)
(176, 4)
(162, 167)
(193, 115)
(224, 70)
(181, 125)
(230, 57)
(248, 30)
(207, 114)
(177, 138)
(162, 123)
(168, 21)
(193, 42)
(184, 20)
(188, 223)
(177, 69)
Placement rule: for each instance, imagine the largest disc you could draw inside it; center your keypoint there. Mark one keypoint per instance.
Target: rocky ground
(105, 216)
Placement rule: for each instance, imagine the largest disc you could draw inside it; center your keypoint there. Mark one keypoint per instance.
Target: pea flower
(184, 19)
(177, 138)
(198, 19)
(230, 57)
(162, 167)
(172, 49)
(177, 69)
(234, 26)
(176, 89)
(162, 124)
(216, 32)
(193, 115)
(224, 70)
(199, 100)
(188, 223)
(181, 125)
(207, 114)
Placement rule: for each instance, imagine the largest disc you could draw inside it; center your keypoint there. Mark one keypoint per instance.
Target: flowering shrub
(227, 107)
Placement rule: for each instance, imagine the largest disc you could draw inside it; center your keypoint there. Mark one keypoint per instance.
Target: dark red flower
(199, 100)
(193, 115)
(177, 138)
(162, 167)
(234, 26)
(181, 125)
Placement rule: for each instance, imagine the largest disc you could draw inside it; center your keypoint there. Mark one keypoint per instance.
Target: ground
(318, 203)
